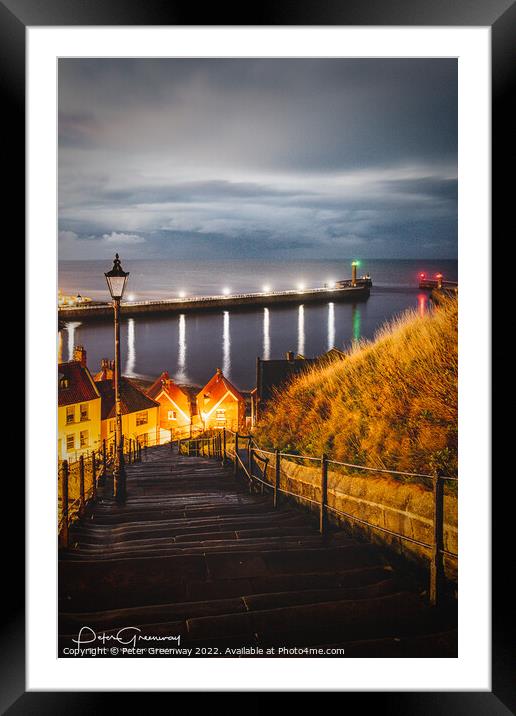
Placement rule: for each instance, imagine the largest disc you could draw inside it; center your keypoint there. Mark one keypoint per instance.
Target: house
(79, 408)
(175, 412)
(272, 374)
(140, 413)
(220, 404)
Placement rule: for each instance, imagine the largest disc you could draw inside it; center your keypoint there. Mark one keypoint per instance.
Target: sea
(192, 346)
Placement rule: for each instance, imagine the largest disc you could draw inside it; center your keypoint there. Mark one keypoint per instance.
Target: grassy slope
(391, 403)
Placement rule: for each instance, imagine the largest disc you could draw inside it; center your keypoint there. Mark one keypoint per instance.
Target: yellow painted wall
(234, 415)
(181, 422)
(92, 425)
(131, 430)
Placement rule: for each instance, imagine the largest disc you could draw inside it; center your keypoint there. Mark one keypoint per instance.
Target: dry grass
(391, 403)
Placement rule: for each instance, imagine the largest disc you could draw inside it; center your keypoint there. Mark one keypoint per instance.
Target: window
(111, 426)
(220, 414)
(84, 438)
(84, 411)
(172, 415)
(70, 414)
(70, 442)
(143, 439)
(142, 418)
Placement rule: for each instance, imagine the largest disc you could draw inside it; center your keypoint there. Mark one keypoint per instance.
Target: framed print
(265, 250)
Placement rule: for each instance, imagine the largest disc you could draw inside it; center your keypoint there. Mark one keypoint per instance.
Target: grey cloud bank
(194, 158)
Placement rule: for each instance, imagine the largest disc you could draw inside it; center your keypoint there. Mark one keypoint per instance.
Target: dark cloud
(234, 155)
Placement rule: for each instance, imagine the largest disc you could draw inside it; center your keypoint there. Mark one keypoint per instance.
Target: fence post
(324, 494)
(277, 477)
(250, 457)
(104, 463)
(63, 536)
(235, 466)
(224, 454)
(436, 564)
(94, 471)
(81, 483)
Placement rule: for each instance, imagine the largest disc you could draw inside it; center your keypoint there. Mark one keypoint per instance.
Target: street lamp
(116, 280)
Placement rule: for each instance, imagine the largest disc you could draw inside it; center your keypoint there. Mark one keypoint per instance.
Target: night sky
(256, 158)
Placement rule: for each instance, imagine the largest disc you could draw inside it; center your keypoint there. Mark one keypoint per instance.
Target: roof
(81, 386)
(165, 385)
(106, 370)
(216, 388)
(132, 399)
(273, 373)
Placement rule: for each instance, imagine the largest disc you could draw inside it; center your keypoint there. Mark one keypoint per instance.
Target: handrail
(79, 479)
(353, 465)
(436, 548)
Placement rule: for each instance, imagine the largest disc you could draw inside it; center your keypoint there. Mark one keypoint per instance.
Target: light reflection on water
(191, 347)
(226, 346)
(331, 326)
(301, 330)
(356, 323)
(266, 335)
(131, 349)
(72, 341)
(181, 374)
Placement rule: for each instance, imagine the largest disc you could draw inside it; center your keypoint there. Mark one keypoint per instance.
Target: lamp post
(116, 280)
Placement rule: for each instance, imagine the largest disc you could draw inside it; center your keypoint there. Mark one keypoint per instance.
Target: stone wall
(403, 508)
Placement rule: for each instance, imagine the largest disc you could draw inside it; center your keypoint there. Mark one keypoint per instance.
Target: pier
(195, 304)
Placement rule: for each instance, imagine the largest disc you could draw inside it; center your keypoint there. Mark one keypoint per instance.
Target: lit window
(84, 411)
(84, 438)
(220, 414)
(172, 415)
(70, 442)
(142, 418)
(111, 426)
(70, 414)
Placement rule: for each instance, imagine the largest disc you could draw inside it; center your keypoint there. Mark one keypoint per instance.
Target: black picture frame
(500, 16)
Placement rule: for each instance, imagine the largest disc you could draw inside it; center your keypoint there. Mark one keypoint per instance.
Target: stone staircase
(193, 554)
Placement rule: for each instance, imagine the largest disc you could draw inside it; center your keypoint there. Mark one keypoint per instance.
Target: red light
(438, 275)
(422, 275)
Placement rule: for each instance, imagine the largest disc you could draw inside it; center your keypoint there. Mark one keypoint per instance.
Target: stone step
(114, 542)
(208, 547)
(193, 554)
(92, 532)
(391, 615)
(108, 583)
(141, 616)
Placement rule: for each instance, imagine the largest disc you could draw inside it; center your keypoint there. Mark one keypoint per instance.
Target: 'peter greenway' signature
(126, 636)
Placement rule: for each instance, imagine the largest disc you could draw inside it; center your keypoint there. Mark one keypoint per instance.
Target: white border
(471, 671)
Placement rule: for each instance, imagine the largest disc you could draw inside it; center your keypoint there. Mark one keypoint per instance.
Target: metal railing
(78, 480)
(262, 469)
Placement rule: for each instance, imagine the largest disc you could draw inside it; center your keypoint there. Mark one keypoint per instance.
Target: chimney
(79, 355)
(290, 355)
(219, 371)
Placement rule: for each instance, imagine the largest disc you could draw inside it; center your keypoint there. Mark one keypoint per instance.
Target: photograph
(257, 374)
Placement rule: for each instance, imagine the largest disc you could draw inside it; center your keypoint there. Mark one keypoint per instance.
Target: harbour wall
(212, 303)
